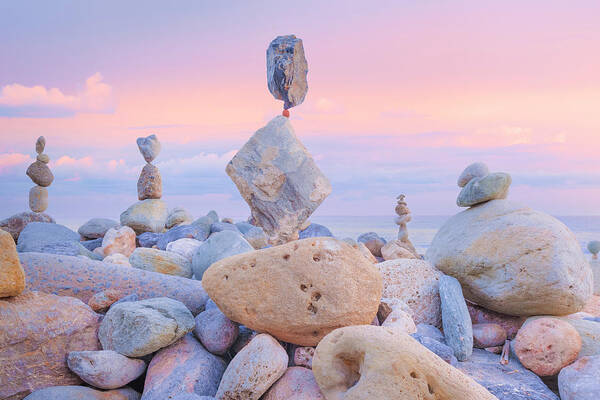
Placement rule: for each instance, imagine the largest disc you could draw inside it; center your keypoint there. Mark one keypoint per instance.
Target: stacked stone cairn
(41, 175)
(149, 184)
(401, 247)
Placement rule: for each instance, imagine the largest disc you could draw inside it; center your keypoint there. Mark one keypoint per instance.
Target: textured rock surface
(216, 332)
(362, 248)
(297, 383)
(475, 170)
(456, 320)
(149, 147)
(138, 328)
(51, 238)
(278, 179)
(119, 241)
(373, 242)
(96, 227)
(588, 330)
(38, 199)
(440, 349)
(149, 184)
(298, 292)
(40, 144)
(286, 70)
(16, 223)
(82, 393)
(160, 261)
(146, 216)
(580, 380)
(218, 246)
(184, 367)
(37, 331)
(488, 335)
(480, 315)
(370, 362)
(178, 216)
(101, 301)
(105, 369)
(513, 260)
(148, 239)
(12, 276)
(198, 232)
(257, 237)
(77, 277)
(400, 319)
(394, 250)
(185, 247)
(118, 259)
(303, 356)
(479, 190)
(253, 370)
(40, 174)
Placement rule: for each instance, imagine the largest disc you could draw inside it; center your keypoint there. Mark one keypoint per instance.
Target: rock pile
(401, 247)
(41, 175)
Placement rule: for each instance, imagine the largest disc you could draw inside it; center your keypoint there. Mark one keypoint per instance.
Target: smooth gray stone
(257, 237)
(148, 239)
(68, 249)
(426, 330)
(105, 369)
(92, 244)
(442, 350)
(216, 332)
(475, 170)
(315, 230)
(479, 190)
(218, 246)
(208, 219)
(507, 382)
(149, 147)
(96, 227)
(223, 226)
(129, 297)
(244, 226)
(210, 304)
(373, 241)
(287, 70)
(594, 247)
(44, 237)
(458, 329)
(16, 223)
(580, 380)
(81, 393)
(198, 232)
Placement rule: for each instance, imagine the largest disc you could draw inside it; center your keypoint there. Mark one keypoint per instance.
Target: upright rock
(401, 220)
(286, 70)
(458, 329)
(12, 276)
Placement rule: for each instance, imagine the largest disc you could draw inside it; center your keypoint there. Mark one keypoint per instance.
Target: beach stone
(81, 278)
(43, 158)
(184, 367)
(441, 349)
(101, 301)
(510, 324)
(178, 216)
(589, 331)
(161, 261)
(362, 248)
(297, 383)
(287, 70)
(149, 147)
(216, 332)
(279, 180)
(93, 244)
(456, 320)
(580, 380)
(208, 219)
(40, 174)
(371, 362)
(118, 259)
(82, 393)
(475, 170)
(198, 232)
(37, 331)
(479, 190)
(303, 356)
(218, 246)
(244, 337)
(430, 331)
(149, 185)
(594, 247)
(373, 242)
(16, 223)
(105, 369)
(119, 241)
(253, 370)
(394, 249)
(223, 226)
(507, 382)
(513, 260)
(12, 276)
(40, 145)
(416, 283)
(323, 283)
(592, 307)
(148, 239)
(146, 216)
(257, 237)
(97, 227)
(400, 319)
(38, 199)
(185, 247)
(488, 335)
(315, 230)
(51, 238)
(191, 396)
(138, 328)
(546, 345)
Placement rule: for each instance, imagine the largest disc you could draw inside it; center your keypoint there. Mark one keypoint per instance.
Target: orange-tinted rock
(149, 184)
(101, 301)
(297, 383)
(488, 335)
(480, 315)
(119, 240)
(12, 276)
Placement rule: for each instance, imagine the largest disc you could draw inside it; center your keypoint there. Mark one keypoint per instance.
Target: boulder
(488, 335)
(513, 260)
(38, 199)
(286, 70)
(82, 393)
(475, 170)
(40, 174)
(119, 241)
(178, 216)
(297, 292)
(164, 262)
(217, 247)
(315, 230)
(297, 383)
(149, 184)
(479, 190)
(149, 147)
(278, 179)
(51, 238)
(96, 227)
(580, 380)
(16, 223)
(216, 332)
(373, 241)
(146, 216)
(458, 329)
(371, 362)
(105, 369)
(37, 331)
(12, 276)
(185, 247)
(198, 232)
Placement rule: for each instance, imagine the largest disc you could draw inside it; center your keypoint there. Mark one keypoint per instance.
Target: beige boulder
(400, 319)
(297, 292)
(371, 362)
(12, 276)
(396, 249)
(165, 262)
(120, 240)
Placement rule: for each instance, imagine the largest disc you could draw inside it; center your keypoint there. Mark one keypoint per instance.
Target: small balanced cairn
(41, 175)
(149, 185)
(401, 220)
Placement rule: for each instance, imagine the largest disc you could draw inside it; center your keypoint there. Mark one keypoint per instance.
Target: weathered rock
(92, 244)
(303, 356)
(185, 247)
(286, 70)
(456, 320)
(38, 199)
(394, 250)
(479, 190)
(40, 174)
(580, 380)
(223, 226)
(43, 158)
(16, 223)
(475, 170)
(400, 319)
(183, 367)
(51, 238)
(148, 239)
(546, 345)
(149, 184)
(198, 232)
(588, 330)
(253, 370)
(118, 259)
(101, 301)
(161, 261)
(138, 328)
(370, 362)
(97, 227)
(178, 216)
(216, 332)
(191, 396)
(510, 324)
(257, 237)
(146, 216)
(440, 349)
(12, 276)
(297, 292)
(40, 144)
(315, 230)
(217, 247)
(77, 277)
(149, 147)
(278, 179)
(594, 247)
(416, 283)
(430, 331)
(373, 241)
(105, 369)
(513, 260)
(362, 248)
(82, 393)
(119, 241)
(37, 331)
(297, 383)
(488, 335)
(208, 219)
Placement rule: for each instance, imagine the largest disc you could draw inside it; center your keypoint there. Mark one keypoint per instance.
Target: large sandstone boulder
(16, 223)
(146, 216)
(279, 180)
(298, 292)
(37, 331)
(12, 276)
(371, 362)
(513, 260)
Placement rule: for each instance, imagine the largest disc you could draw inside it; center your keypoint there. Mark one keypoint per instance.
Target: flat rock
(297, 292)
(105, 369)
(488, 335)
(513, 260)
(479, 190)
(475, 170)
(279, 180)
(38, 199)
(12, 276)
(178, 216)
(217, 247)
(149, 184)
(16, 223)
(40, 174)
(164, 262)
(456, 320)
(146, 216)
(297, 383)
(198, 232)
(149, 147)
(82, 393)
(51, 238)
(96, 227)
(119, 241)
(373, 242)
(579, 381)
(315, 230)
(216, 332)
(185, 247)
(287, 70)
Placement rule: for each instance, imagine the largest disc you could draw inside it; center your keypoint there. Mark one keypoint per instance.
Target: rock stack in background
(149, 184)
(401, 247)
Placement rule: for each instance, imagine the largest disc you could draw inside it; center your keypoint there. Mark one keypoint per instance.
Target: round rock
(488, 335)
(40, 174)
(215, 331)
(96, 227)
(105, 369)
(119, 241)
(475, 170)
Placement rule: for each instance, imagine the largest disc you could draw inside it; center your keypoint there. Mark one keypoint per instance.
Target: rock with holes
(286, 70)
(297, 292)
(580, 380)
(215, 331)
(458, 328)
(146, 216)
(371, 362)
(297, 383)
(218, 246)
(105, 369)
(253, 370)
(97, 227)
(164, 262)
(279, 180)
(513, 260)
(119, 240)
(82, 392)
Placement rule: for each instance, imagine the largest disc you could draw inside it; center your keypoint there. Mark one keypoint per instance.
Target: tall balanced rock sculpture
(401, 247)
(41, 175)
(149, 184)
(286, 70)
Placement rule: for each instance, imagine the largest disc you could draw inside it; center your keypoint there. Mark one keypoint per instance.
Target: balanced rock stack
(401, 247)
(479, 185)
(287, 70)
(41, 175)
(149, 184)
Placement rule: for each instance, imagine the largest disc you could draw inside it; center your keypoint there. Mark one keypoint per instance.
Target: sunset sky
(402, 96)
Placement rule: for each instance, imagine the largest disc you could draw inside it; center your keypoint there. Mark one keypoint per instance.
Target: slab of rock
(96, 227)
(475, 170)
(217, 247)
(119, 241)
(184, 367)
(315, 230)
(149, 147)
(164, 262)
(185, 247)
(373, 241)
(479, 190)
(198, 232)
(149, 184)
(178, 216)
(16, 223)
(580, 380)
(105, 369)
(371, 362)
(81, 393)
(488, 335)
(286, 70)
(51, 238)
(146, 216)
(279, 180)
(138, 328)
(38, 199)
(77, 277)
(416, 283)
(303, 356)
(513, 260)
(12, 276)
(216, 332)
(40, 174)
(37, 331)
(456, 320)
(510, 324)
(297, 383)
(299, 291)
(253, 370)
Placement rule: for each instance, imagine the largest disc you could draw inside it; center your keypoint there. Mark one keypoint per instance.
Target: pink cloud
(10, 160)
